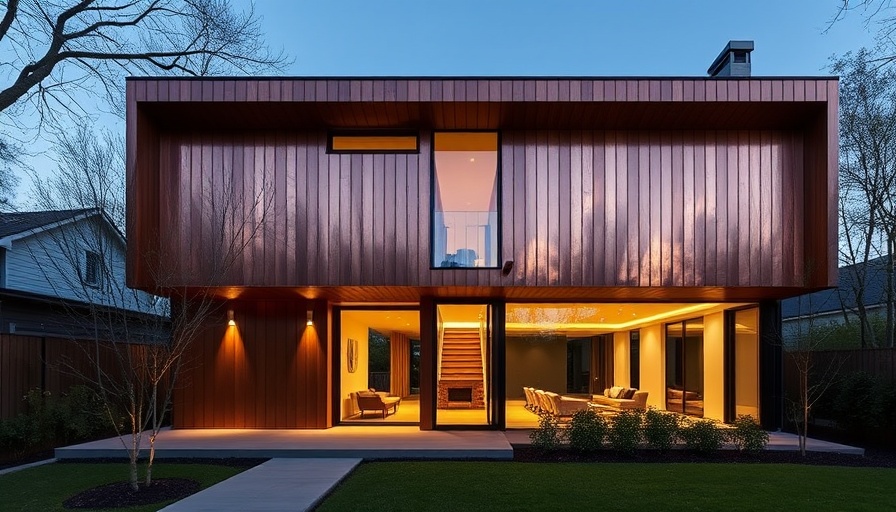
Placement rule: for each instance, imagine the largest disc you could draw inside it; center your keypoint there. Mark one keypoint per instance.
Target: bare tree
(90, 174)
(813, 377)
(877, 15)
(867, 200)
(60, 47)
(65, 60)
(137, 342)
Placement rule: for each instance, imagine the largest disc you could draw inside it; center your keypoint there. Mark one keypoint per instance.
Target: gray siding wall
(53, 263)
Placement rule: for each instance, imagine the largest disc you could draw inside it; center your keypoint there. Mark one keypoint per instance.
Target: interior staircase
(461, 355)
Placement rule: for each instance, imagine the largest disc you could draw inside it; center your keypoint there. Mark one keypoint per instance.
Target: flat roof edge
(486, 78)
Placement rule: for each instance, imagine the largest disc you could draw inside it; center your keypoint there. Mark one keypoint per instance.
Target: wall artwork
(351, 355)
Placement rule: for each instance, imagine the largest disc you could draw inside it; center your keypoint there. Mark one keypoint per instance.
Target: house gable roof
(844, 296)
(15, 226)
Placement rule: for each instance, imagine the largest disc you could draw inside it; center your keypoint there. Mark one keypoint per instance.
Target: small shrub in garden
(703, 436)
(586, 431)
(625, 431)
(660, 429)
(547, 436)
(747, 435)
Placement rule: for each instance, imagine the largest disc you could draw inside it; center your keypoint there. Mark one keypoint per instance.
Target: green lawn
(45, 487)
(498, 486)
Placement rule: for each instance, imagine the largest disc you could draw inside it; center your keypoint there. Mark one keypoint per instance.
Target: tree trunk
(152, 456)
(134, 452)
(804, 395)
(890, 293)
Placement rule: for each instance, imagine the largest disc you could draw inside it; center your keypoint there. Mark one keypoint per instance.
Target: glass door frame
(495, 365)
(336, 357)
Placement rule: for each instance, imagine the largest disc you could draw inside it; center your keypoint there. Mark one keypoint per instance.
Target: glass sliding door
(379, 374)
(463, 367)
(684, 367)
(744, 374)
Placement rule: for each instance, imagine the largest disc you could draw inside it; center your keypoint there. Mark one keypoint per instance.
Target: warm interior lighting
(230, 321)
(310, 320)
(374, 143)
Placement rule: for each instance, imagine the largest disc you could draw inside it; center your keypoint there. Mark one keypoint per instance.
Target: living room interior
(672, 352)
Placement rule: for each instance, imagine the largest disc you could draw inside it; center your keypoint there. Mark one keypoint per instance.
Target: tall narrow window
(465, 200)
(92, 268)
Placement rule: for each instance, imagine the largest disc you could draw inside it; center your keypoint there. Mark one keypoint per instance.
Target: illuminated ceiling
(567, 319)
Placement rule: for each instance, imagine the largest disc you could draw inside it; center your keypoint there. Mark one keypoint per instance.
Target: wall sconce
(230, 321)
(310, 318)
(507, 268)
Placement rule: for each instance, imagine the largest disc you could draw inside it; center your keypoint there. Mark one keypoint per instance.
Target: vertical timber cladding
(617, 208)
(270, 370)
(654, 208)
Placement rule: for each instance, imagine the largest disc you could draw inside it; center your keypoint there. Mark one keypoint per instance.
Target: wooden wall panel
(51, 364)
(580, 208)
(268, 371)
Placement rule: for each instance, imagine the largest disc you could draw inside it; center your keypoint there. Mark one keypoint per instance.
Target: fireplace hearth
(460, 394)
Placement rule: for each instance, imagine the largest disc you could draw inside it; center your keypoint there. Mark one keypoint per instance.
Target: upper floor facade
(388, 189)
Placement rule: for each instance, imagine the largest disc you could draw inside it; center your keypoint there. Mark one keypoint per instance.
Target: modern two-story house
(567, 234)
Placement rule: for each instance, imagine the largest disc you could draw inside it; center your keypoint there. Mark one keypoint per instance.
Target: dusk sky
(529, 37)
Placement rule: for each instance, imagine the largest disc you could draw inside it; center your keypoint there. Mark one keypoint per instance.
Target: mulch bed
(120, 494)
(872, 458)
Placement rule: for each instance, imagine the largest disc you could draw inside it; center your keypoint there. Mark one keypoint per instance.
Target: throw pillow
(629, 393)
(615, 391)
(607, 392)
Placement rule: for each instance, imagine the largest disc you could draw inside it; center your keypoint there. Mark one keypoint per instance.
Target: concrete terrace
(365, 442)
(357, 442)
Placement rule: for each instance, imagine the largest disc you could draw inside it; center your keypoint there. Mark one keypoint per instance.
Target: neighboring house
(834, 306)
(567, 234)
(54, 262)
(62, 285)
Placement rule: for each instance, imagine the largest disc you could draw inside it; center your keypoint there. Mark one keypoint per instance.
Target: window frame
(94, 258)
(498, 203)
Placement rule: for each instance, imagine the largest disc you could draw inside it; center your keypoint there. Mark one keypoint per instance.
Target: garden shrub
(624, 434)
(703, 436)
(660, 429)
(50, 421)
(586, 431)
(548, 435)
(856, 403)
(747, 435)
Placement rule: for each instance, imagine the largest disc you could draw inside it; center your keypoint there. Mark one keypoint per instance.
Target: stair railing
(440, 338)
(482, 337)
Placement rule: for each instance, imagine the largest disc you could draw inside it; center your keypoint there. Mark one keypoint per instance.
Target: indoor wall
(535, 361)
(653, 365)
(714, 366)
(357, 381)
(621, 366)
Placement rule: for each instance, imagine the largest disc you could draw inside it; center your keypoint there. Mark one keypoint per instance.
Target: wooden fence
(50, 364)
(879, 362)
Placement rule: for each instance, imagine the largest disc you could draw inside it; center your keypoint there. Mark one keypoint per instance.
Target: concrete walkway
(276, 485)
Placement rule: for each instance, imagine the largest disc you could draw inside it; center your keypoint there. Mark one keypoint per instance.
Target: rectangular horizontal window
(374, 143)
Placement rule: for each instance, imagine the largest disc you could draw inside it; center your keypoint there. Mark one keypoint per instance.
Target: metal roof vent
(733, 61)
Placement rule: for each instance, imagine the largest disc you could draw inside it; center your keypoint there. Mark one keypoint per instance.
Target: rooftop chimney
(733, 61)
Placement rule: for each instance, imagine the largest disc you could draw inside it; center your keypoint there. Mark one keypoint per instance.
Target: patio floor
(366, 442)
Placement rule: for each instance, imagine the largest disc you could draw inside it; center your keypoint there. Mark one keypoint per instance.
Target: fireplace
(460, 394)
